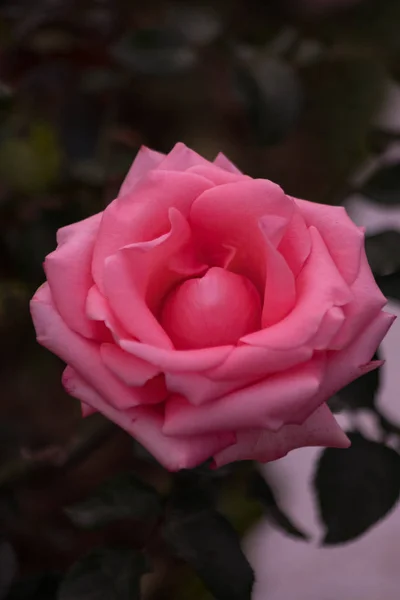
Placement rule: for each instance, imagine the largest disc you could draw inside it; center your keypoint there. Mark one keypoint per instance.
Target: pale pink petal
(216, 174)
(68, 271)
(229, 215)
(178, 360)
(320, 429)
(320, 287)
(145, 424)
(295, 245)
(146, 159)
(98, 309)
(224, 163)
(197, 388)
(268, 404)
(182, 158)
(280, 289)
(367, 302)
(143, 215)
(131, 370)
(83, 355)
(138, 276)
(214, 310)
(342, 237)
(330, 325)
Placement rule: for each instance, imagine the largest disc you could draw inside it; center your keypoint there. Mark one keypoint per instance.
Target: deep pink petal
(268, 404)
(82, 354)
(224, 163)
(138, 277)
(229, 215)
(68, 271)
(145, 425)
(143, 215)
(214, 310)
(320, 286)
(131, 370)
(320, 429)
(146, 159)
(342, 237)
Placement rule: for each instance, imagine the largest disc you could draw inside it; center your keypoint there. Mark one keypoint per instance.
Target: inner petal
(213, 310)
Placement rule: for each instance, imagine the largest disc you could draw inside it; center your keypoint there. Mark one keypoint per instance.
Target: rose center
(213, 310)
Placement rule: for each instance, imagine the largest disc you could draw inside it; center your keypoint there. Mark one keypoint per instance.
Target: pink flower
(209, 314)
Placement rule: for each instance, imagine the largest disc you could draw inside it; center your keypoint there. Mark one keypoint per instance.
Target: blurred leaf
(154, 52)
(390, 285)
(123, 497)
(356, 487)
(384, 185)
(36, 587)
(208, 543)
(105, 574)
(32, 163)
(361, 393)
(383, 252)
(262, 491)
(272, 95)
(343, 95)
(8, 567)
(197, 23)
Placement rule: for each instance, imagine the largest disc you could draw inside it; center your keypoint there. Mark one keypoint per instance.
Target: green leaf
(356, 487)
(105, 574)
(361, 393)
(384, 185)
(209, 544)
(260, 489)
(382, 252)
(123, 497)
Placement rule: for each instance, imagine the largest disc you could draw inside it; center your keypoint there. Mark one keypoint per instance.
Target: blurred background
(303, 92)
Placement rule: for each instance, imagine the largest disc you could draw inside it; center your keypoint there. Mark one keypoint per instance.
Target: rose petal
(145, 424)
(343, 238)
(131, 370)
(138, 277)
(182, 158)
(98, 309)
(330, 325)
(83, 355)
(268, 404)
(224, 163)
(146, 159)
(143, 215)
(216, 174)
(320, 429)
(367, 302)
(178, 360)
(280, 289)
(229, 215)
(68, 271)
(320, 286)
(295, 245)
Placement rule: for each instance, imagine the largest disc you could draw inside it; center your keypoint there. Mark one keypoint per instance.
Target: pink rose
(209, 314)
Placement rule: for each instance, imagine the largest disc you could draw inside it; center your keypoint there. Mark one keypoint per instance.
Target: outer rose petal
(84, 355)
(68, 271)
(342, 237)
(224, 163)
(320, 429)
(145, 160)
(131, 370)
(216, 175)
(267, 404)
(144, 424)
(320, 287)
(296, 243)
(224, 217)
(143, 215)
(367, 302)
(181, 158)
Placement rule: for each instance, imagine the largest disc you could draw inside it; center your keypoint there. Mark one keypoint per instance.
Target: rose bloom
(209, 314)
